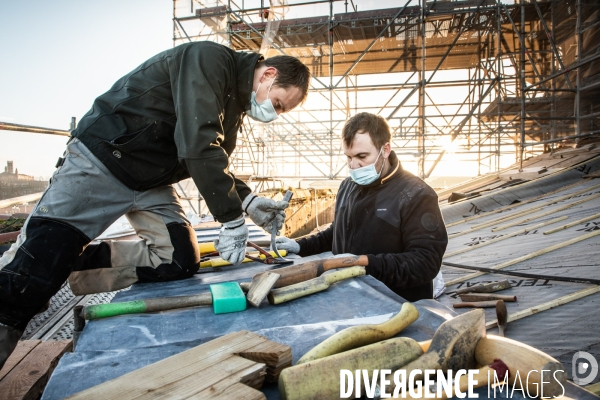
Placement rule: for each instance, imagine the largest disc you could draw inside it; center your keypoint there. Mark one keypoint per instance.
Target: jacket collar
(245, 65)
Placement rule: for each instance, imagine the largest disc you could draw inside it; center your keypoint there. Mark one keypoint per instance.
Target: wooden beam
(520, 213)
(23, 348)
(232, 365)
(549, 212)
(511, 206)
(27, 380)
(560, 228)
(504, 237)
(525, 257)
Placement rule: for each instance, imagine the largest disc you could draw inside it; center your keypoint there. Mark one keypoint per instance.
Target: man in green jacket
(175, 116)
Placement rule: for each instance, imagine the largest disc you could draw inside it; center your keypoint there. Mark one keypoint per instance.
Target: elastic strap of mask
(269, 91)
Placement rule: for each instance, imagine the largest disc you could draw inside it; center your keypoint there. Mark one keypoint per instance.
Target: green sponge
(227, 297)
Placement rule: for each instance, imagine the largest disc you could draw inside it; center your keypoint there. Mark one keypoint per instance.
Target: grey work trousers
(82, 201)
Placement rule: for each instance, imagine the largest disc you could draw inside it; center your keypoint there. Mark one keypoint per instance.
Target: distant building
(14, 184)
(9, 175)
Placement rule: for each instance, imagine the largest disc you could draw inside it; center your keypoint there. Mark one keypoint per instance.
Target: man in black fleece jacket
(384, 212)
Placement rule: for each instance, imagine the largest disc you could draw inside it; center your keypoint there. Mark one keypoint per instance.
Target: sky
(58, 56)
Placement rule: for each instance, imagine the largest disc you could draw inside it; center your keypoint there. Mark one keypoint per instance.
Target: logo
(585, 368)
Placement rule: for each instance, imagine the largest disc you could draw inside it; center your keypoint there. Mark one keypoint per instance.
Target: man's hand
(290, 245)
(231, 243)
(265, 212)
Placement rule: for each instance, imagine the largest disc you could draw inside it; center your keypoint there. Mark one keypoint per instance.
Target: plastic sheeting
(114, 346)
(561, 331)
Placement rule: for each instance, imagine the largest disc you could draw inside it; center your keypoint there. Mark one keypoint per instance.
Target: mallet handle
(143, 306)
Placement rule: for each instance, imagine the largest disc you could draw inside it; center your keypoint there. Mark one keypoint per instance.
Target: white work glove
(265, 212)
(231, 243)
(290, 245)
(439, 285)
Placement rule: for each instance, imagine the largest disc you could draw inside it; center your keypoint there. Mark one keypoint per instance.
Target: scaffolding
(489, 82)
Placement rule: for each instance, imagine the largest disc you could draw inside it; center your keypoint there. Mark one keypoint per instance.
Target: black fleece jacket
(177, 115)
(396, 221)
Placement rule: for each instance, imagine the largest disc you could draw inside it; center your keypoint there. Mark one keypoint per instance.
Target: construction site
(491, 103)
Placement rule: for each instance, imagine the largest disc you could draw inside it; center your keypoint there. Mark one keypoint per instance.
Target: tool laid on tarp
(476, 304)
(207, 262)
(362, 335)
(501, 317)
(486, 287)
(287, 197)
(294, 274)
(486, 297)
(312, 269)
(267, 257)
(315, 285)
(225, 297)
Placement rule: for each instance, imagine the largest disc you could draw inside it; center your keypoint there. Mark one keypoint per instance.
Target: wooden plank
(23, 348)
(210, 367)
(237, 391)
(27, 380)
(276, 356)
(524, 258)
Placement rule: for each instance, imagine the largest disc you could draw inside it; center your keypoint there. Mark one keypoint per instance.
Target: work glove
(439, 286)
(265, 212)
(290, 245)
(231, 243)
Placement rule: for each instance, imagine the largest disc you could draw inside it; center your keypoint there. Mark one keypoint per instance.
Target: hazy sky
(57, 56)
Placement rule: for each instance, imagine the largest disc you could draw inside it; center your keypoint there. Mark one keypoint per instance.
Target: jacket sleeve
(200, 82)
(315, 244)
(424, 240)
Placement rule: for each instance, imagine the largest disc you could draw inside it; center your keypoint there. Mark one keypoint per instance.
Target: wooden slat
(23, 348)
(237, 391)
(504, 237)
(525, 257)
(27, 380)
(211, 367)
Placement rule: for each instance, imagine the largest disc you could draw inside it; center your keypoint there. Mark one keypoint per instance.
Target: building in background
(14, 184)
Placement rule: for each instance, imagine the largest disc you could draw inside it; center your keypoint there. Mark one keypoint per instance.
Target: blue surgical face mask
(367, 174)
(263, 112)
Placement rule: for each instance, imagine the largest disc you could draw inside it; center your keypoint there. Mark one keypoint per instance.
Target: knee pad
(186, 257)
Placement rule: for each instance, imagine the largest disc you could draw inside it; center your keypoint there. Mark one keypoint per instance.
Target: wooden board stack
(233, 366)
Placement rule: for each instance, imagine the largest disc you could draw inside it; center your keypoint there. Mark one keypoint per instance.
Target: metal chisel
(287, 197)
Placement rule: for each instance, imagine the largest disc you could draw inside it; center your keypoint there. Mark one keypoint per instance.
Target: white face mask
(263, 112)
(367, 174)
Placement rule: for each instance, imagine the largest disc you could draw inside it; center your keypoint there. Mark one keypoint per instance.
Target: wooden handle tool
(361, 335)
(486, 288)
(312, 269)
(260, 287)
(225, 297)
(501, 317)
(486, 297)
(476, 304)
(319, 284)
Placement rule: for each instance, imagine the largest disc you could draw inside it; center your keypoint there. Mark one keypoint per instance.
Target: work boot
(9, 337)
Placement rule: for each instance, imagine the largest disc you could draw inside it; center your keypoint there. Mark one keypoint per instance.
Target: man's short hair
(376, 126)
(291, 72)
